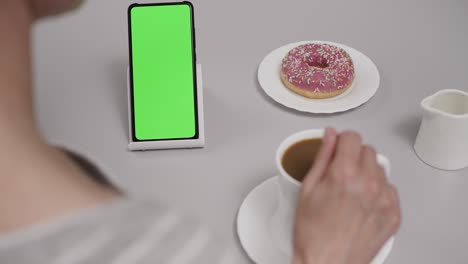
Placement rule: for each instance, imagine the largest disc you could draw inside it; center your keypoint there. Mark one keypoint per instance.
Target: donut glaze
(317, 70)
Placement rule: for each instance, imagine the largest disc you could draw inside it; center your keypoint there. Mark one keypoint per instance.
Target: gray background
(419, 47)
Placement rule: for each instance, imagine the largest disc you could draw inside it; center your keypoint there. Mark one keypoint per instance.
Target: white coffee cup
(282, 221)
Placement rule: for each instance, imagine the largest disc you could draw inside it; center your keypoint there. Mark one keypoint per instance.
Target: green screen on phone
(163, 71)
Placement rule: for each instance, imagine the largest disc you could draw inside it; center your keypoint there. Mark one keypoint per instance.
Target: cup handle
(384, 162)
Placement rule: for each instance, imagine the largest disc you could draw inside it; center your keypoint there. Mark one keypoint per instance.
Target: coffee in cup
(299, 157)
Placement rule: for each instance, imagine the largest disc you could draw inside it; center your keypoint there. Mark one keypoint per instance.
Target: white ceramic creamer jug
(442, 140)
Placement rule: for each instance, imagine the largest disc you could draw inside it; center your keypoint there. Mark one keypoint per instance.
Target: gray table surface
(419, 47)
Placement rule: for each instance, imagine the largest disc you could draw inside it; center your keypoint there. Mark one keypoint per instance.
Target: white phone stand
(170, 144)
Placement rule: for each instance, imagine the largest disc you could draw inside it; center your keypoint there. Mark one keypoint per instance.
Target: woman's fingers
(370, 165)
(322, 159)
(348, 148)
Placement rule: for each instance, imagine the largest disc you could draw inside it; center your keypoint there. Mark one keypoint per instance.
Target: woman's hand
(346, 210)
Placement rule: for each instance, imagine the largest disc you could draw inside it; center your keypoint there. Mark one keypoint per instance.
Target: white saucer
(253, 221)
(365, 85)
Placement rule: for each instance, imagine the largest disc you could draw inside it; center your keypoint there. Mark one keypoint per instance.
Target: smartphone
(163, 79)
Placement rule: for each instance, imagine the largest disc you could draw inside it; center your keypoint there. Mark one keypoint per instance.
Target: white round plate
(365, 84)
(253, 222)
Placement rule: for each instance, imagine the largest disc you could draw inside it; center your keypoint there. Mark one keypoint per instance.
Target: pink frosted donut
(317, 70)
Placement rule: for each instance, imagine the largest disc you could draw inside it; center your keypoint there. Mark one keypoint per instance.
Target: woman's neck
(16, 108)
(37, 182)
